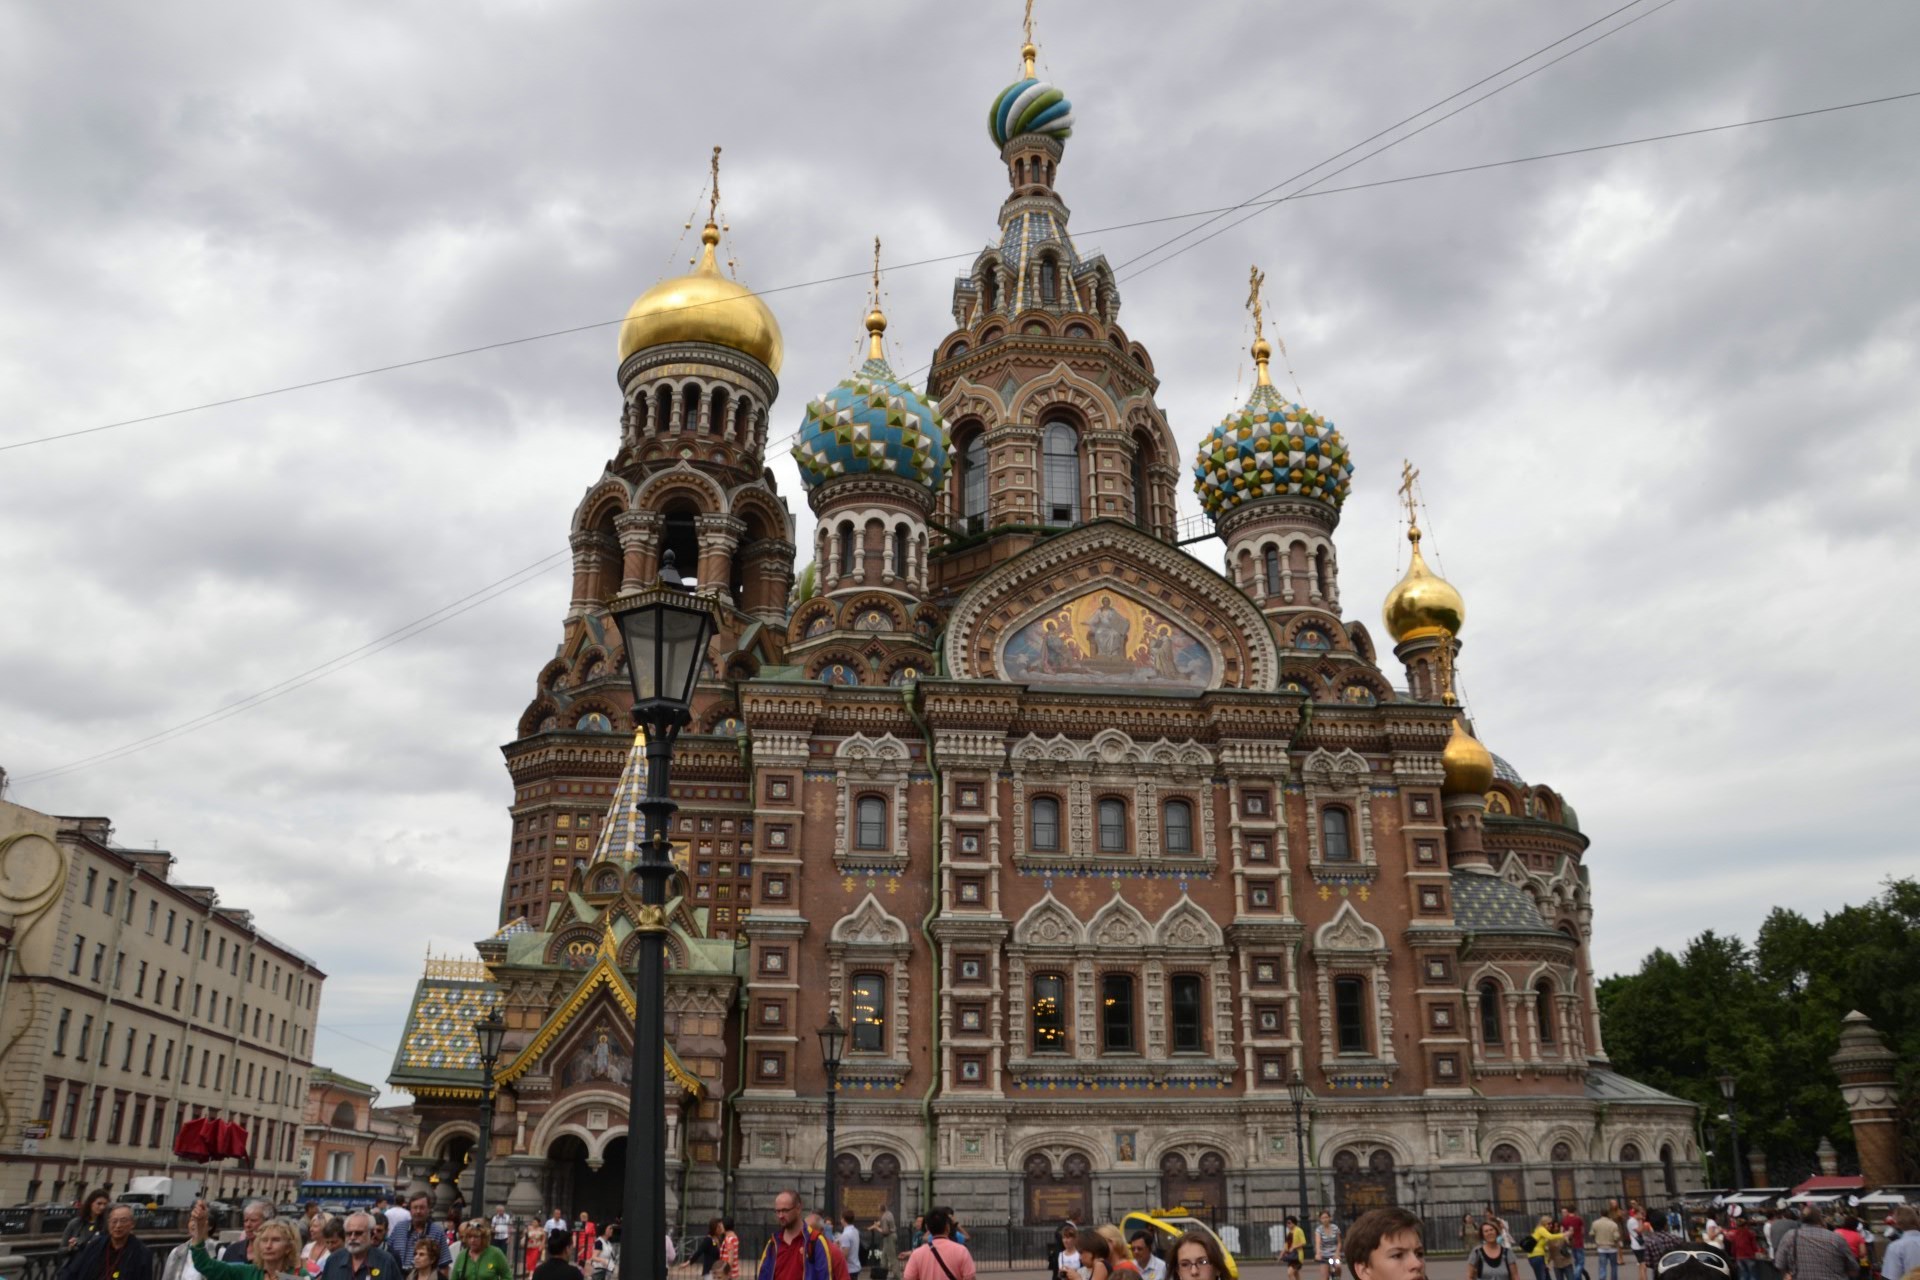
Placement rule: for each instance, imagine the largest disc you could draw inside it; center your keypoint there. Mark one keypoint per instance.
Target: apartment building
(130, 1004)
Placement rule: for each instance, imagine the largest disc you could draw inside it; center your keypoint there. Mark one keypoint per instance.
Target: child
(1385, 1244)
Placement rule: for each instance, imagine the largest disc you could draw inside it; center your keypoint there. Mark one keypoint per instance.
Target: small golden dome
(704, 307)
(1422, 603)
(1467, 764)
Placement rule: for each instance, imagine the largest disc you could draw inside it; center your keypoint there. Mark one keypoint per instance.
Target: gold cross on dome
(1026, 25)
(1407, 477)
(876, 273)
(1256, 280)
(713, 199)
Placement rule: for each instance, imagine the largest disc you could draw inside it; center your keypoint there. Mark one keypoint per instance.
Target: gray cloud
(1659, 396)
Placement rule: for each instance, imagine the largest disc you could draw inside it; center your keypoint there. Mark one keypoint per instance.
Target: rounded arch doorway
(577, 1183)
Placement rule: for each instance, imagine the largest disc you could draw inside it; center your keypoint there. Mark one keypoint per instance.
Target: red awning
(1824, 1183)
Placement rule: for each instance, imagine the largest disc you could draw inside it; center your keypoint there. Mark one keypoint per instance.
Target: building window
(1543, 1010)
(1046, 824)
(1116, 1012)
(1490, 1030)
(973, 481)
(79, 949)
(1049, 1013)
(1270, 562)
(1142, 497)
(1335, 843)
(869, 1013)
(60, 1034)
(1186, 999)
(1350, 1014)
(900, 550)
(93, 876)
(1176, 824)
(1061, 468)
(870, 827)
(113, 894)
(1113, 825)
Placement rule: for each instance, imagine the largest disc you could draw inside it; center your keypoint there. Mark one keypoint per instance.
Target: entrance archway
(1202, 1194)
(1356, 1190)
(1052, 1197)
(1509, 1191)
(575, 1186)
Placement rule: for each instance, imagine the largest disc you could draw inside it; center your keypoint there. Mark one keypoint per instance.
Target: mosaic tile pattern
(1268, 449)
(439, 1033)
(873, 423)
(1138, 1084)
(626, 826)
(1488, 904)
(1029, 106)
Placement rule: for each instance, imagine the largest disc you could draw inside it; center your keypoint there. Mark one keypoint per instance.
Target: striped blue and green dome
(1030, 106)
(1271, 449)
(873, 424)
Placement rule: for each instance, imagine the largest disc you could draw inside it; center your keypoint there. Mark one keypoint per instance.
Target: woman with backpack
(1491, 1259)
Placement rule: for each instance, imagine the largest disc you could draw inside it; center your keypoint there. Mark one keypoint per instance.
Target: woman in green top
(480, 1258)
(276, 1252)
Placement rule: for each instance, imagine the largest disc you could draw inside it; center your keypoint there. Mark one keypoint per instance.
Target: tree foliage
(1770, 1016)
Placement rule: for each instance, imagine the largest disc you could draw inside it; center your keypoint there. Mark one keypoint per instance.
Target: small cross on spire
(713, 201)
(1408, 474)
(1256, 280)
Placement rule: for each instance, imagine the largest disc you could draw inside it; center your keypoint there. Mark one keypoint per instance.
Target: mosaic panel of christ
(1107, 638)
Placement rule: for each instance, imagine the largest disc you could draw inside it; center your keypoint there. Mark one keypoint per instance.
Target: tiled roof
(439, 1041)
(1488, 904)
(1611, 1086)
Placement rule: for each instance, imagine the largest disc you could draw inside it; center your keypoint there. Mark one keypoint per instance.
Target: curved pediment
(1048, 923)
(1119, 925)
(1106, 606)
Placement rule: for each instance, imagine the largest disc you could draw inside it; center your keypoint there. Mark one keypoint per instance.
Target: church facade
(1096, 847)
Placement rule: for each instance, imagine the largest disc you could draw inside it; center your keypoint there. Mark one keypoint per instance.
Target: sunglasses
(1674, 1257)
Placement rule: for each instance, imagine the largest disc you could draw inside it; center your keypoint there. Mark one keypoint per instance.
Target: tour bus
(342, 1197)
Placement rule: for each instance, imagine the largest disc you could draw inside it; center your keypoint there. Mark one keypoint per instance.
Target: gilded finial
(713, 199)
(876, 319)
(1027, 50)
(1262, 352)
(1407, 477)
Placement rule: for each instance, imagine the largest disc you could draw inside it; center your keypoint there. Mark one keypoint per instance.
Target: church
(1100, 850)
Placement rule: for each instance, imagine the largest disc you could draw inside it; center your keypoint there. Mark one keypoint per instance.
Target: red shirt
(1576, 1228)
(1740, 1240)
(790, 1257)
(836, 1260)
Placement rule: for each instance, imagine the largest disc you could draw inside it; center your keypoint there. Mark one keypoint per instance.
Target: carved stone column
(528, 1176)
(719, 536)
(1865, 1067)
(639, 548)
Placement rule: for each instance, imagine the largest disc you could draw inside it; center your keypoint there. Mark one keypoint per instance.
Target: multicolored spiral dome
(1029, 106)
(1271, 449)
(873, 423)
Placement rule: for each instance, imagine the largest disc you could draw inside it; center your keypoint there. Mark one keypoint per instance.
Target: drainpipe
(730, 1165)
(933, 950)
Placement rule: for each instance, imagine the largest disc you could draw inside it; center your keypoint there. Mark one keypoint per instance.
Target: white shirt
(1156, 1269)
(1070, 1261)
(502, 1226)
(558, 1224)
(849, 1242)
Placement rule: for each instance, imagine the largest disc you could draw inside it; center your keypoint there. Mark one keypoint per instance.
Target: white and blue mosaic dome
(873, 424)
(1269, 449)
(1029, 106)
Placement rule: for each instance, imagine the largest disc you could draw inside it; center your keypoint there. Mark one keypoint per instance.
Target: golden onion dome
(1422, 603)
(1468, 765)
(704, 306)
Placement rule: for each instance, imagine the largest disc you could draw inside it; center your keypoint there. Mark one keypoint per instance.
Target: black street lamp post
(1297, 1088)
(665, 631)
(833, 1041)
(1726, 1083)
(488, 1032)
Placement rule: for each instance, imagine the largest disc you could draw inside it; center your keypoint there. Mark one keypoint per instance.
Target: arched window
(1543, 1010)
(870, 827)
(717, 412)
(1046, 824)
(1490, 1030)
(680, 534)
(1142, 496)
(868, 1013)
(1350, 1014)
(1049, 280)
(900, 551)
(1335, 842)
(1113, 825)
(846, 548)
(973, 481)
(343, 1116)
(990, 288)
(690, 407)
(1187, 999)
(1049, 1013)
(1323, 573)
(1116, 1012)
(1176, 825)
(1061, 455)
(1270, 559)
(1666, 1169)
(1630, 1153)
(662, 407)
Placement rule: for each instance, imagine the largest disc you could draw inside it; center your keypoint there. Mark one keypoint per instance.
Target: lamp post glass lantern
(1727, 1083)
(665, 631)
(833, 1042)
(488, 1032)
(1297, 1089)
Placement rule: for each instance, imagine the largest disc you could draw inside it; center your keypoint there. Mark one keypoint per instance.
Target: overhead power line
(865, 272)
(379, 644)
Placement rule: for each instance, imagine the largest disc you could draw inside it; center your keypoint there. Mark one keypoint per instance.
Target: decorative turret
(1423, 612)
(1273, 476)
(872, 453)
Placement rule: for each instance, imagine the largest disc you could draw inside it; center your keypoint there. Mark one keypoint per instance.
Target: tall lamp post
(1297, 1089)
(1726, 1083)
(833, 1042)
(488, 1032)
(665, 631)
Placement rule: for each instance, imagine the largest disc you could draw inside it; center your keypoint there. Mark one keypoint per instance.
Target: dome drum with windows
(1269, 449)
(873, 423)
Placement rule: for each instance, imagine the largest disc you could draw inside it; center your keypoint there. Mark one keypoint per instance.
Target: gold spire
(1027, 50)
(876, 319)
(1262, 352)
(1422, 603)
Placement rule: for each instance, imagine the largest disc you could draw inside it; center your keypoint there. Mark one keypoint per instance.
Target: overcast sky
(1661, 397)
